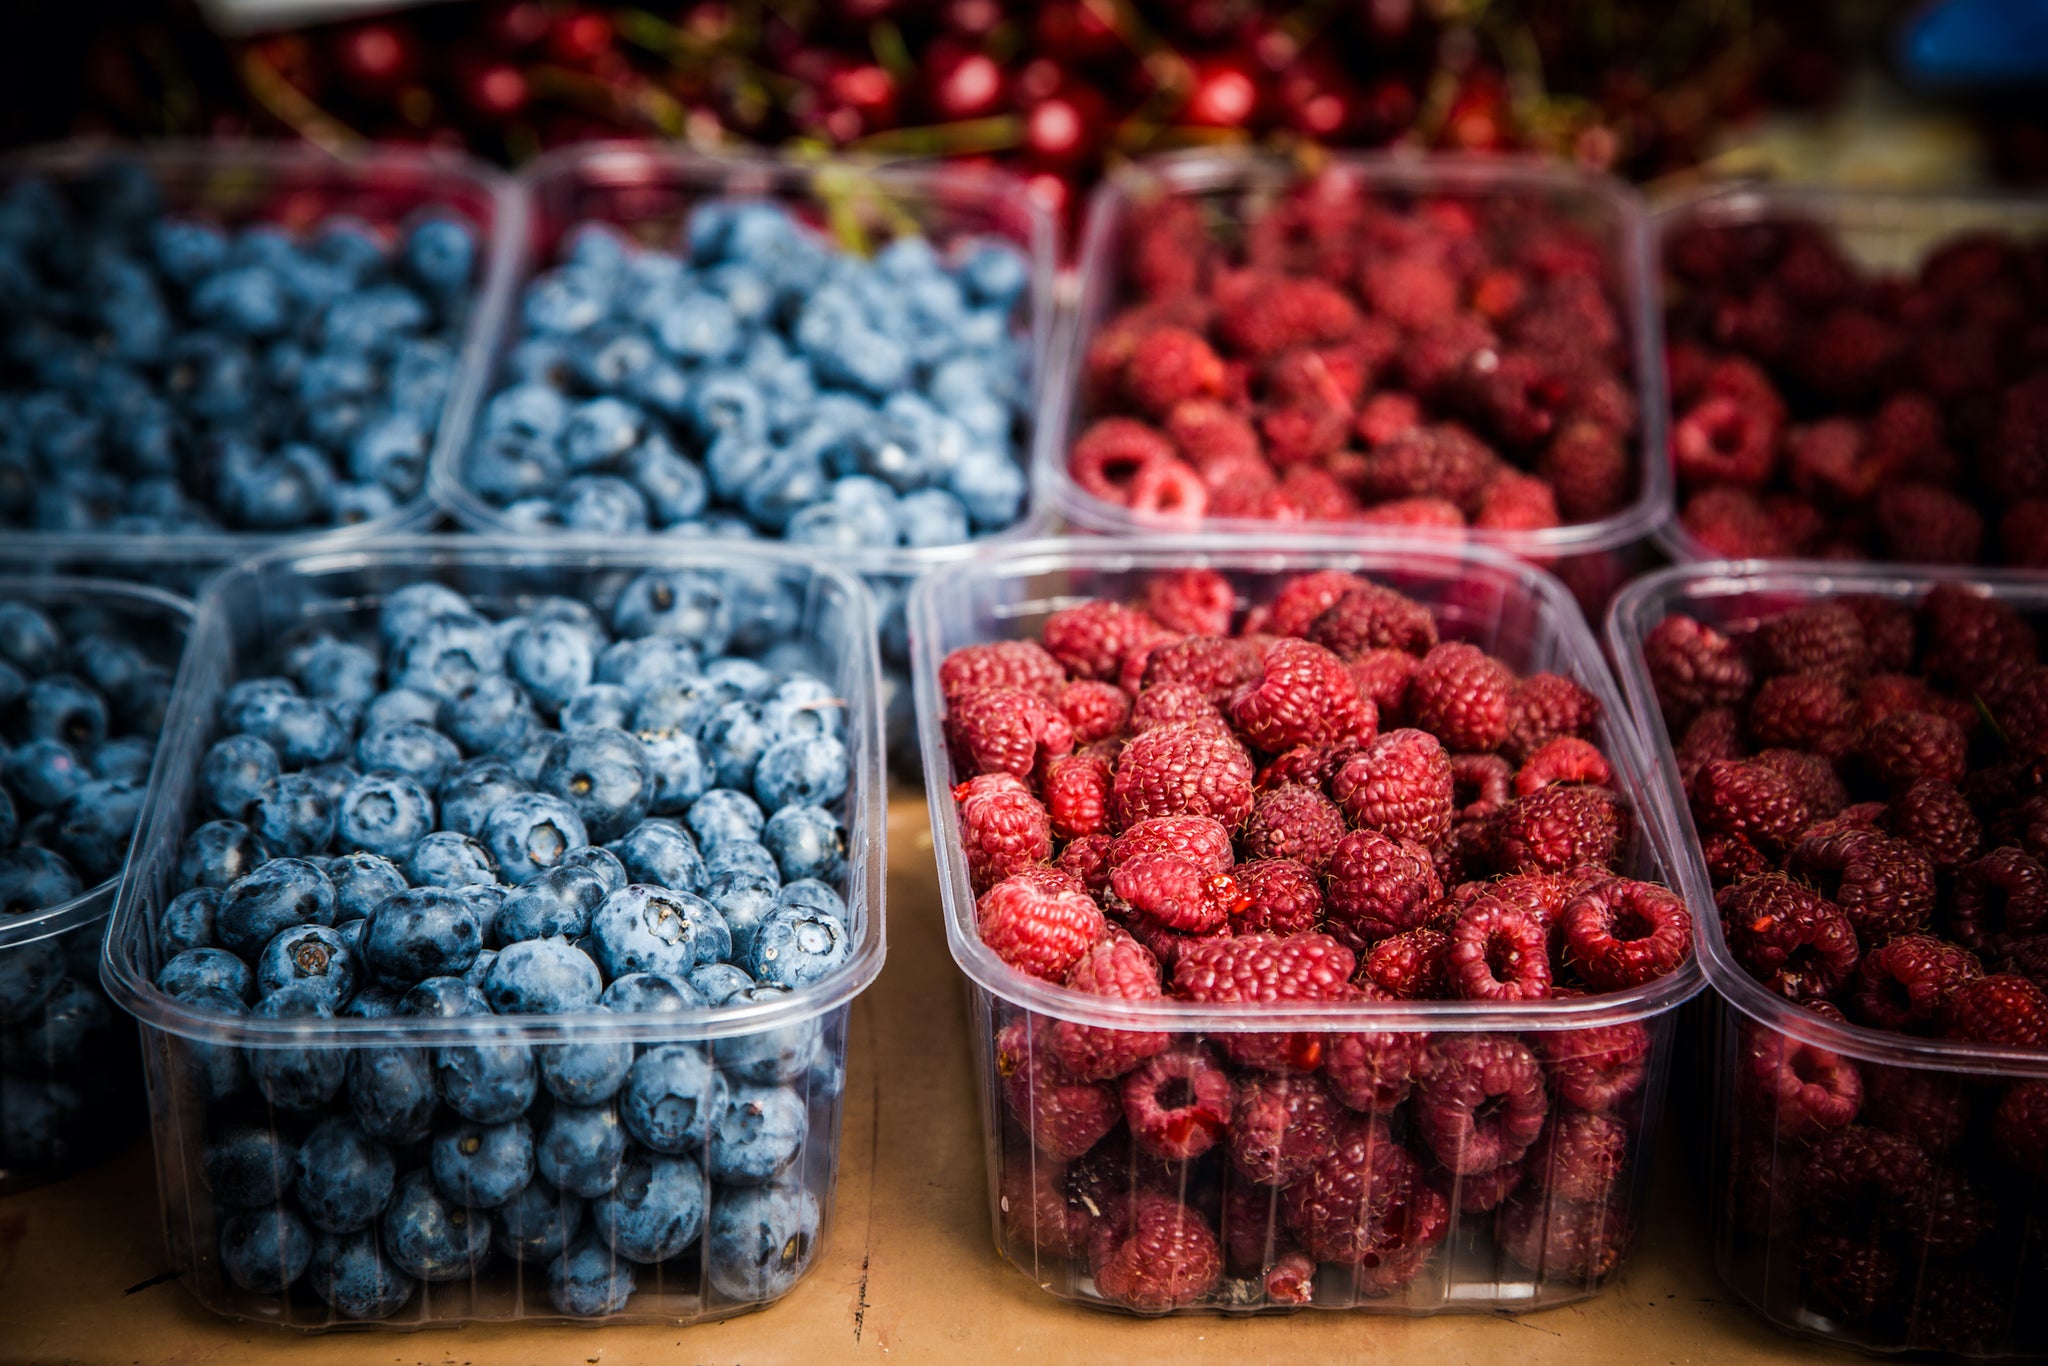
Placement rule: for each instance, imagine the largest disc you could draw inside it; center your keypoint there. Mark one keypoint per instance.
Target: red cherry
(580, 37)
(375, 57)
(1077, 31)
(965, 83)
(1063, 128)
(1390, 19)
(518, 25)
(709, 23)
(868, 89)
(972, 18)
(1389, 110)
(496, 90)
(1052, 190)
(1224, 94)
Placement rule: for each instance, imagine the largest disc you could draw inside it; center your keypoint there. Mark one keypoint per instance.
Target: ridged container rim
(1411, 558)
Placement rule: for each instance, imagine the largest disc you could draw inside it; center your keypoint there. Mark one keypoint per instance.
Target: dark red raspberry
(1005, 730)
(1280, 1127)
(1196, 602)
(2023, 534)
(1441, 462)
(1733, 524)
(1820, 787)
(1003, 828)
(1197, 838)
(1882, 695)
(1543, 707)
(1794, 1089)
(1821, 638)
(1372, 1071)
(1721, 440)
(1905, 983)
(1304, 696)
(1371, 617)
(1077, 795)
(1261, 314)
(1581, 1156)
(1932, 1108)
(1121, 969)
(1108, 458)
(1623, 933)
(2021, 710)
(2000, 899)
(1178, 1103)
(1064, 1115)
(1163, 943)
(1859, 1180)
(1731, 859)
(1216, 665)
(1590, 469)
(1160, 1255)
(1788, 936)
(1480, 1101)
(1597, 1068)
(1266, 967)
(2019, 1129)
(1039, 921)
(1885, 886)
(1746, 798)
(1400, 785)
(1479, 785)
(1499, 952)
(1035, 1208)
(1957, 1310)
(1284, 898)
(1340, 1208)
(1693, 668)
(1925, 523)
(1169, 365)
(1178, 892)
(1092, 638)
(1292, 821)
(1761, 1183)
(1096, 710)
(1182, 770)
(1461, 694)
(1831, 463)
(1254, 1237)
(1937, 817)
(1909, 746)
(1172, 704)
(1958, 1215)
(1556, 829)
(1565, 759)
(1810, 711)
(2029, 958)
(1384, 676)
(1514, 501)
(1301, 600)
(1378, 885)
(1479, 1192)
(1410, 1232)
(1001, 664)
(1410, 966)
(1968, 636)
(1849, 1278)
(2002, 1008)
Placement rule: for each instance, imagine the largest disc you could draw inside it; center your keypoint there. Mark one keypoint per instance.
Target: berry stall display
(497, 928)
(85, 676)
(1858, 376)
(1450, 346)
(1865, 759)
(1318, 951)
(214, 341)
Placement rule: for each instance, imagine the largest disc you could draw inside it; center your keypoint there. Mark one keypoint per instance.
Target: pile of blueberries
(763, 383)
(82, 695)
(163, 374)
(550, 814)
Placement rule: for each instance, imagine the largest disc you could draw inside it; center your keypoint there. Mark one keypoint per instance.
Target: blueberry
(791, 479)
(377, 1001)
(479, 969)
(126, 759)
(451, 860)
(600, 861)
(312, 956)
(557, 902)
(796, 946)
(332, 670)
(585, 1073)
(743, 898)
(443, 998)
(234, 772)
(65, 1039)
(361, 883)
(684, 706)
(687, 604)
(812, 771)
(991, 486)
(530, 759)
(582, 1149)
(719, 982)
(294, 815)
(698, 329)
(392, 1092)
(639, 664)
(806, 842)
(672, 1098)
(60, 707)
(644, 928)
(28, 640)
(248, 1165)
(651, 993)
(768, 1056)
(483, 1165)
(814, 894)
(656, 1210)
(418, 751)
(430, 1237)
(760, 1240)
(758, 1136)
(537, 1223)
(600, 504)
(802, 707)
(735, 740)
(674, 489)
(446, 654)
(252, 704)
(32, 878)
(743, 856)
(489, 1083)
(552, 660)
(605, 705)
(281, 894)
(44, 773)
(440, 252)
(296, 1078)
(264, 1250)
(94, 825)
(473, 791)
(494, 716)
(722, 816)
(219, 852)
(344, 1176)
(400, 706)
(591, 1281)
(352, 1274)
(421, 932)
(682, 771)
(528, 834)
(930, 517)
(187, 921)
(599, 432)
(386, 814)
(542, 977)
(215, 1072)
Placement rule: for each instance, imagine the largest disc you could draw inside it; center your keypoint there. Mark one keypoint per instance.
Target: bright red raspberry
(1938, 818)
(1969, 636)
(1499, 952)
(1169, 365)
(1086, 860)
(1859, 1179)
(1387, 416)
(1036, 1211)
(1260, 314)
(1001, 664)
(1091, 639)
(1120, 968)
(1722, 440)
(1581, 1156)
(1178, 1103)
(1623, 933)
(1039, 921)
(1693, 667)
(1212, 436)
(1172, 704)
(1301, 600)
(1304, 696)
(2000, 899)
(1413, 288)
(1372, 1071)
(1195, 602)
(1292, 821)
(1371, 617)
(1820, 787)
(1003, 828)
(1108, 458)
(1480, 1101)
(1303, 432)
(1595, 1069)
(1383, 676)
(1788, 936)
(1565, 759)
(1077, 795)
(1178, 892)
(1885, 886)
(1064, 1116)
(1197, 838)
(1332, 376)
(1411, 966)
(2019, 1129)
(1810, 711)
(1479, 1192)
(1461, 693)
(1169, 492)
(1795, 1089)
(1401, 785)
(1479, 785)
(1731, 523)
(1006, 730)
(1284, 898)
(1160, 1255)
(1096, 710)
(1378, 885)
(1340, 1207)
(2002, 1008)
(1820, 638)
(1216, 665)
(1905, 983)
(1746, 798)
(1182, 770)
(1265, 967)
(1556, 829)
(1280, 1127)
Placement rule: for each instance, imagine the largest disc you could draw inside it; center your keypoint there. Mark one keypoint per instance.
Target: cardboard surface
(910, 1275)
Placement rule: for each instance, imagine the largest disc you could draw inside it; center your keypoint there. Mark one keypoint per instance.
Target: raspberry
(1373, 1071)
(1039, 921)
(1261, 314)
(1177, 892)
(1795, 1089)
(1411, 1229)
(1589, 468)
(1178, 1103)
(1510, 395)
(1254, 1239)
(1927, 524)
(1196, 602)
(1383, 676)
(1279, 1128)
(1746, 798)
(1204, 842)
(1693, 668)
(2000, 899)
(1332, 377)
(1370, 617)
(1731, 859)
(1556, 829)
(2002, 1008)
(2019, 1129)
(1077, 794)
(1166, 249)
(1303, 432)
(1432, 361)
(1968, 637)
(2020, 705)
(1788, 937)
(1956, 1310)
(1035, 1209)
(1581, 1156)
(1164, 943)
(1848, 1277)
(1305, 696)
(1095, 710)
(1860, 1179)
(1937, 817)
(1810, 711)
(1479, 1192)
(1401, 785)
(1292, 821)
(1413, 288)
(1210, 436)
(1091, 639)
(1266, 967)
(1064, 1116)
(1888, 694)
(1161, 1255)
(1000, 664)
(1301, 600)
(1565, 759)
(1006, 730)
(1169, 365)
(1480, 1101)
(1003, 829)
(1441, 461)
(1340, 1208)
(1109, 456)
(1215, 665)
(1479, 785)
(1888, 629)
(1760, 1187)
(1732, 524)
(1715, 734)
(1831, 463)
(1410, 966)
(2023, 534)
(1957, 1218)
(1905, 983)
(1119, 968)
(1387, 416)
(1847, 353)
(1284, 896)
(1461, 693)
(1884, 886)
(1086, 860)
(1499, 952)
(1182, 770)
(1623, 933)
(1722, 440)
(1172, 704)
(1378, 885)
(1543, 707)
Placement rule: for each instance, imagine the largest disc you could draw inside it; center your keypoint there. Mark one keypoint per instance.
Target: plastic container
(1775, 1227)
(1880, 230)
(1520, 613)
(1593, 558)
(68, 1090)
(296, 185)
(195, 1059)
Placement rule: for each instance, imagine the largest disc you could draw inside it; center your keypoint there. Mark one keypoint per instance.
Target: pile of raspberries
(1823, 410)
(1327, 805)
(1870, 782)
(1438, 363)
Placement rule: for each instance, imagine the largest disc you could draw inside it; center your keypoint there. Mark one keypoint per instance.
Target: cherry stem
(291, 107)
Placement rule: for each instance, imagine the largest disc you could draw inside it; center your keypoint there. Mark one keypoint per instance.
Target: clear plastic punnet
(68, 1089)
(1869, 1188)
(1880, 230)
(1512, 1230)
(684, 1237)
(296, 187)
(1593, 558)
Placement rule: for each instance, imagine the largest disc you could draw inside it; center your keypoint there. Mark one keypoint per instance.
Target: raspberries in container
(1428, 346)
(1871, 810)
(1857, 376)
(1311, 922)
